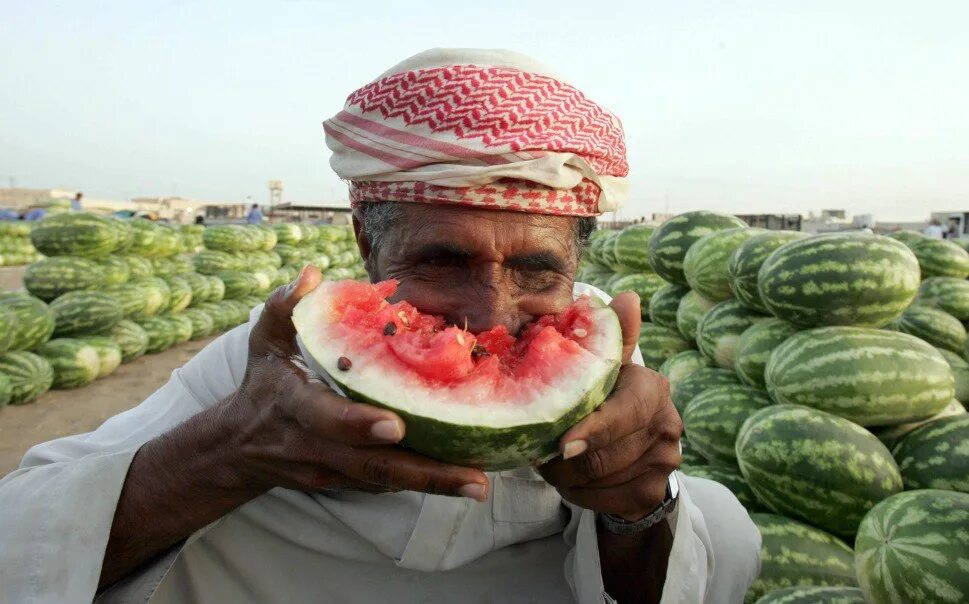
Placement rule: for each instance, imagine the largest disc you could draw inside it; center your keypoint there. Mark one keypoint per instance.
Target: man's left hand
(618, 459)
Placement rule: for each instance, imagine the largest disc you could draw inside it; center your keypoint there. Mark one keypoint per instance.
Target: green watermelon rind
(713, 419)
(935, 326)
(936, 455)
(31, 375)
(745, 262)
(705, 264)
(718, 331)
(671, 240)
(755, 346)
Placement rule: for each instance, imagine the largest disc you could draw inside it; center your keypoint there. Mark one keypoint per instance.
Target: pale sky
(757, 106)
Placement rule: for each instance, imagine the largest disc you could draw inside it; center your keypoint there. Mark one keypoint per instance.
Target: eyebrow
(534, 261)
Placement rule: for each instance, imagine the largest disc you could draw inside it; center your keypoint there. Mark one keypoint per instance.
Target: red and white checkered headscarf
(482, 128)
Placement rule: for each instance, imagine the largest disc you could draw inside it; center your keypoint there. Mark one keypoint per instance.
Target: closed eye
(536, 262)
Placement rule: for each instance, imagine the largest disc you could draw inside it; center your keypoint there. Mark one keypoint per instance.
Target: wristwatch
(618, 526)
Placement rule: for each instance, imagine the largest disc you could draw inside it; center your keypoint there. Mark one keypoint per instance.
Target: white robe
(524, 544)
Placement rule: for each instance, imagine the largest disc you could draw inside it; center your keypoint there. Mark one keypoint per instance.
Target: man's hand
(295, 432)
(617, 460)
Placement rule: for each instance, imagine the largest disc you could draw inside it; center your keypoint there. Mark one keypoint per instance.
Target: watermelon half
(491, 400)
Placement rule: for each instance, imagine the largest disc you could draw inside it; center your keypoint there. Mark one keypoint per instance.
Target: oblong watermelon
(872, 377)
(960, 373)
(814, 466)
(705, 263)
(288, 233)
(699, 381)
(131, 338)
(216, 289)
(839, 279)
(936, 455)
(664, 303)
(182, 327)
(755, 347)
(180, 294)
(745, 262)
(912, 547)
(75, 363)
(682, 364)
(220, 322)
(76, 234)
(719, 329)
(935, 326)
(115, 269)
(631, 248)
(202, 323)
(731, 478)
(688, 456)
(940, 258)
(692, 308)
(85, 313)
(200, 286)
(440, 378)
(795, 554)
(33, 320)
(109, 353)
(713, 418)
(907, 237)
(31, 375)
(658, 344)
(213, 262)
(138, 267)
(6, 390)
(814, 595)
(890, 435)
(231, 238)
(946, 293)
(238, 284)
(161, 336)
(644, 284)
(51, 277)
(671, 240)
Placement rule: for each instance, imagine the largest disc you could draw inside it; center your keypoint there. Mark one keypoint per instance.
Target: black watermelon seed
(343, 364)
(390, 329)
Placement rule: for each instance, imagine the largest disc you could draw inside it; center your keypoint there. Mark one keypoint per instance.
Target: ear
(361, 236)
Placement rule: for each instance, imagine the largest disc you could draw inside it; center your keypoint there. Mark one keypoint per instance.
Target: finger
(325, 414)
(597, 464)
(661, 454)
(397, 468)
(627, 307)
(275, 331)
(638, 394)
(632, 500)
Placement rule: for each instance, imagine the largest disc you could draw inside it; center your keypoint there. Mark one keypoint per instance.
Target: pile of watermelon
(824, 380)
(15, 246)
(108, 291)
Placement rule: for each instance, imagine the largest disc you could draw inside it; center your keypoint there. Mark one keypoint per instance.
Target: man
(934, 230)
(76, 202)
(475, 177)
(35, 213)
(255, 214)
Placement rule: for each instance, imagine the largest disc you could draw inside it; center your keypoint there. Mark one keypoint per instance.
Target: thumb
(274, 332)
(626, 307)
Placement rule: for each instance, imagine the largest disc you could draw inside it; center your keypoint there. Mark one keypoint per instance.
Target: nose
(490, 303)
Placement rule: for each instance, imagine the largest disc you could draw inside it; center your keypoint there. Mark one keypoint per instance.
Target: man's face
(485, 267)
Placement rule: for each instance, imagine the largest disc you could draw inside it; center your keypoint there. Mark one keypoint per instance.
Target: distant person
(35, 214)
(200, 219)
(76, 202)
(255, 215)
(934, 230)
(953, 232)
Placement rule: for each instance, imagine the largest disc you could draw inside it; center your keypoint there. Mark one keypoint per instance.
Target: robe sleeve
(57, 509)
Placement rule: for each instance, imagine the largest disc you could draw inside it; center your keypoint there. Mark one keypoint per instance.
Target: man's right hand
(296, 432)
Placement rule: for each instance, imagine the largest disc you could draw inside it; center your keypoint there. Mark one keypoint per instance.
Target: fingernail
(573, 448)
(387, 430)
(473, 491)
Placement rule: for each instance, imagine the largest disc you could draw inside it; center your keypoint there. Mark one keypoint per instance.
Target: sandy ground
(64, 412)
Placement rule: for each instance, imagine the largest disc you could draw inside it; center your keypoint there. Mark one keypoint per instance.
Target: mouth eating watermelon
(492, 400)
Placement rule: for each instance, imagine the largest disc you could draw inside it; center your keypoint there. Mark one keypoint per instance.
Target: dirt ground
(64, 412)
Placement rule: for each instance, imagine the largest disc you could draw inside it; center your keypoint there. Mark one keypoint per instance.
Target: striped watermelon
(717, 331)
(290, 254)
(644, 284)
(329, 232)
(688, 455)
(814, 466)
(692, 308)
(288, 233)
(936, 455)
(76, 234)
(231, 238)
(109, 353)
(659, 344)
(238, 284)
(745, 263)
(940, 258)
(202, 324)
(705, 263)
(162, 267)
(872, 377)
(729, 477)
(935, 326)
(182, 327)
(795, 554)
(814, 595)
(713, 418)
(6, 390)
(755, 346)
(130, 297)
(891, 435)
(75, 363)
(182, 264)
(946, 293)
(220, 321)
(268, 237)
(216, 289)
(51, 277)
(699, 381)
(671, 240)
(839, 279)
(310, 232)
(31, 375)
(131, 338)
(180, 296)
(115, 269)
(213, 262)
(85, 313)
(914, 547)
(682, 364)
(960, 372)
(157, 295)
(631, 248)
(605, 252)
(138, 267)
(161, 336)
(907, 237)
(7, 327)
(33, 320)
(593, 274)
(235, 312)
(200, 286)
(252, 301)
(664, 303)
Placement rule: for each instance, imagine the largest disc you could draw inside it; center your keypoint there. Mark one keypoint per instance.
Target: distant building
(959, 218)
(293, 212)
(773, 222)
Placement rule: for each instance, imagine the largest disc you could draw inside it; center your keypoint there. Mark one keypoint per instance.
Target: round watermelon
(658, 344)
(664, 303)
(936, 455)
(631, 248)
(914, 547)
(946, 293)
(705, 263)
(51, 277)
(644, 284)
(30, 374)
(131, 338)
(839, 279)
(606, 253)
(935, 326)
(745, 262)
(755, 347)
(795, 554)
(682, 364)
(698, 381)
(75, 363)
(692, 308)
(940, 258)
(109, 353)
(115, 269)
(713, 418)
(202, 323)
(32, 320)
(161, 335)
(429, 371)
(671, 240)
(814, 466)
(138, 267)
(814, 595)
(85, 313)
(870, 376)
(960, 373)
(729, 477)
(718, 330)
